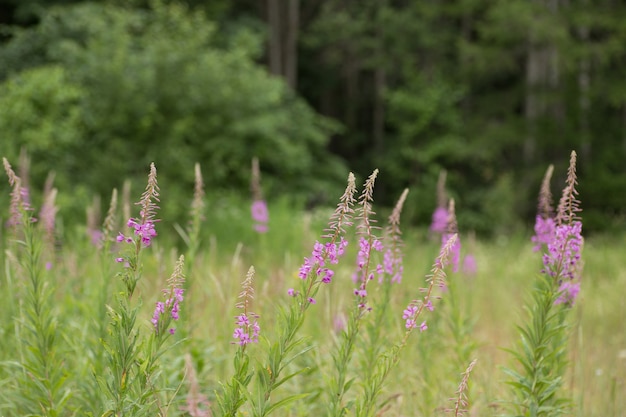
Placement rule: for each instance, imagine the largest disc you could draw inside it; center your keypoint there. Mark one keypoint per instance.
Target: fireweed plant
(542, 351)
(191, 237)
(368, 242)
(125, 347)
(131, 384)
(247, 331)
(389, 274)
(459, 323)
(366, 404)
(39, 386)
(259, 211)
(315, 272)
(461, 399)
(191, 234)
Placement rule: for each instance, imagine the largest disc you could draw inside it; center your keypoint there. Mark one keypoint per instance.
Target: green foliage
(284, 374)
(542, 355)
(38, 385)
(131, 86)
(480, 88)
(40, 110)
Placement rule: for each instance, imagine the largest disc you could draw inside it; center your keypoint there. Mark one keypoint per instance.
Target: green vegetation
(464, 102)
(491, 91)
(74, 360)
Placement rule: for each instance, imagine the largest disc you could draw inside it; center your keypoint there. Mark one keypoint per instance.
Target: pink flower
(260, 215)
(440, 220)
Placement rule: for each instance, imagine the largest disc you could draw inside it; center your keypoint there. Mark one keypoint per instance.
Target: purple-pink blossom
(410, 315)
(170, 307)
(145, 230)
(260, 215)
(321, 254)
(568, 292)
(361, 292)
(544, 231)
(563, 256)
(440, 220)
(392, 265)
(409, 312)
(247, 331)
(363, 258)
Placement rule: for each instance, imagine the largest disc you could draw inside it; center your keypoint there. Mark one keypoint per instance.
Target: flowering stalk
(197, 217)
(191, 237)
(260, 213)
(459, 322)
(165, 313)
(19, 206)
(246, 332)
(47, 215)
(339, 385)
(313, 274)
(144, 232)
(542, 353)
(191, 234)
(451, 229)
(123, 348)
(392, 270)
(544, 221)
(386, 361)
(461, 402)
(40, 386)
(168, 310)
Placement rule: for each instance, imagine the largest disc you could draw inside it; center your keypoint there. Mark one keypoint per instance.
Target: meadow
(80, 334)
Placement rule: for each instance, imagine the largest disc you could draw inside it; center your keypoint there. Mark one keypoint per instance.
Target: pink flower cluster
(562, 260)
(362, 259)
(392, 265)
(171, 306)
(544, 231)
(440, 220)
(409, 315)
(322, 254)
(247, 331)
(569, 291)
(363, 256)
(260, 215)
(145, 231)
(564, 250)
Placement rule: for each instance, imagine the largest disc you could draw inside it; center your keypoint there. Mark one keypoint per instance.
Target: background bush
(121, 88)
(492, 92)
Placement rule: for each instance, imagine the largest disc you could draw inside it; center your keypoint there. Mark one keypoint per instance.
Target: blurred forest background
(492, 91)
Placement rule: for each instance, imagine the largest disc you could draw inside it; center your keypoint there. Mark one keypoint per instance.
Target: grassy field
(492, 300)
(475, 319)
